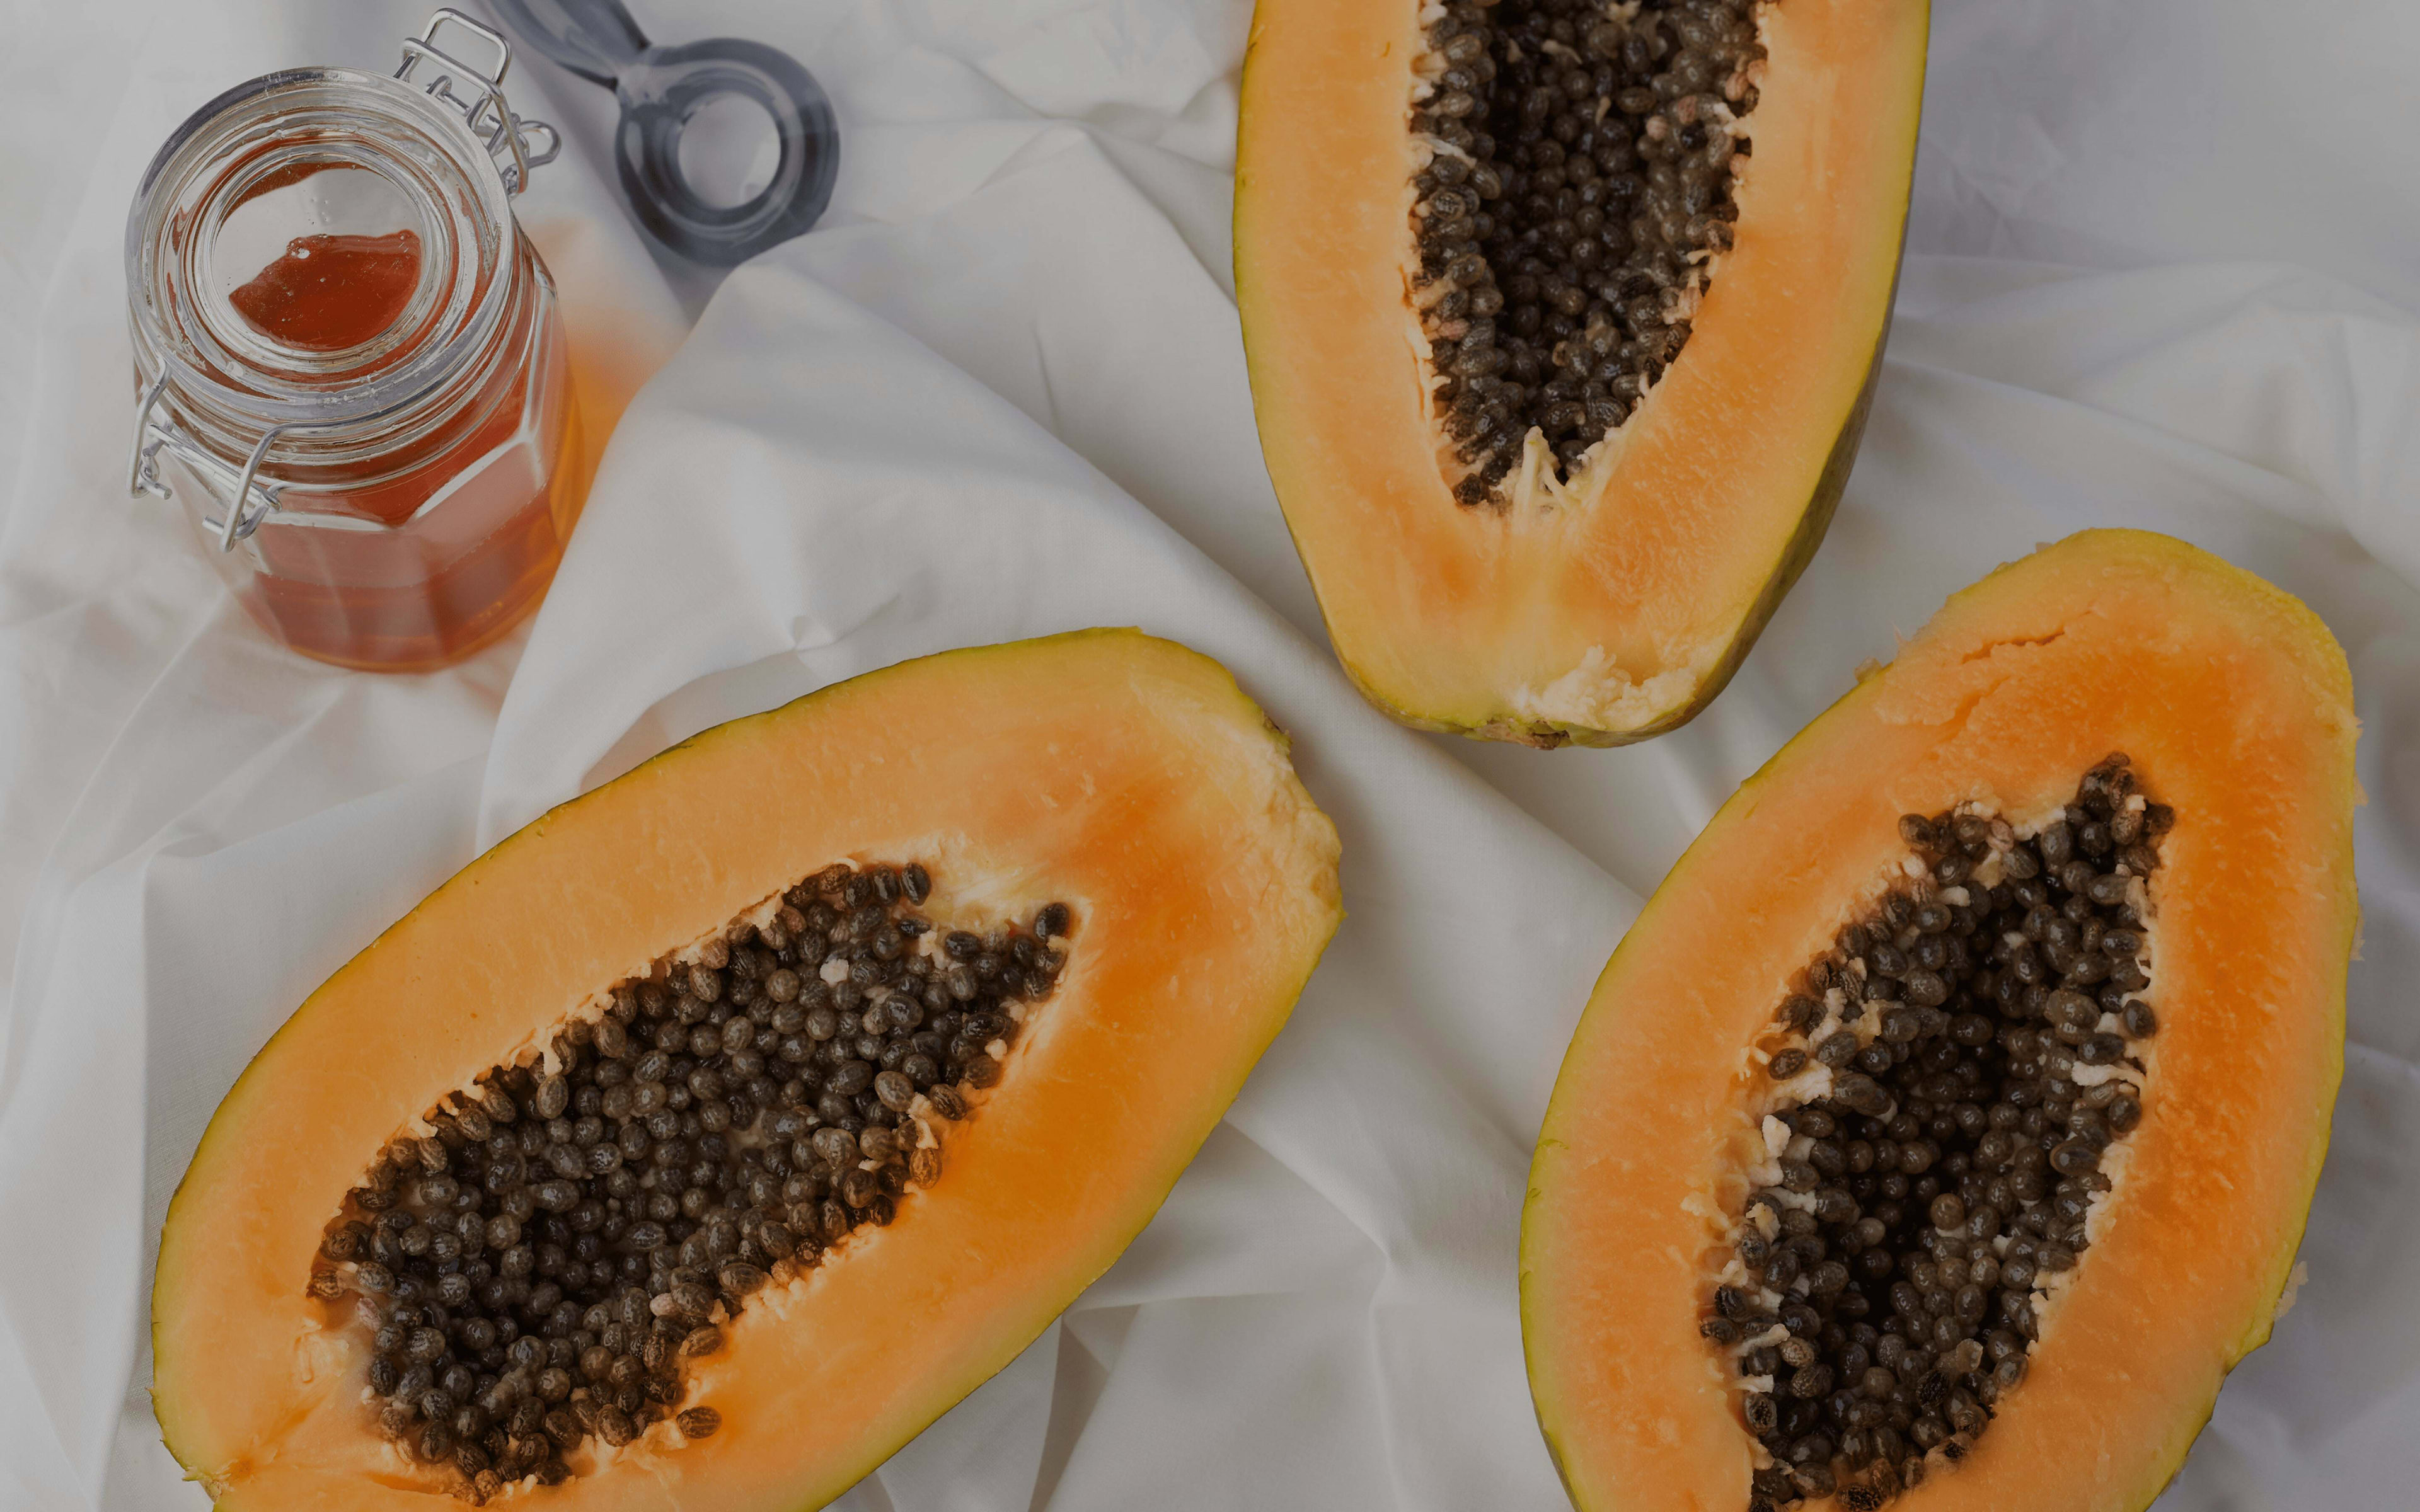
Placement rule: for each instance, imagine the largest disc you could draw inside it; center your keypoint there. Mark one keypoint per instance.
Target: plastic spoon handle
(594, 38)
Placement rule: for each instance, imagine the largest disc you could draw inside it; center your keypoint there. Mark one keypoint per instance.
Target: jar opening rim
(427, 154)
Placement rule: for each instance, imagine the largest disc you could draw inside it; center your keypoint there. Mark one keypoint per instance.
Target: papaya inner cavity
(1945, 1103)
(1571, 189)
(535, 1271)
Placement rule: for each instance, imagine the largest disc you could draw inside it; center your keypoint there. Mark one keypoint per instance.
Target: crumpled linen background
(2158, 275)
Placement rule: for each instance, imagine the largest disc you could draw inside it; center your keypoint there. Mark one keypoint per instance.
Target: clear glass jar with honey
(350, 370)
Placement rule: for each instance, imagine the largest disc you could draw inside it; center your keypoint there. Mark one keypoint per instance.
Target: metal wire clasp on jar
(351, 370)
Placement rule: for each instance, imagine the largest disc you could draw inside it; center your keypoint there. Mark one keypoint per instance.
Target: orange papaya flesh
(2234, 706)
(1120, 773)
(1615, 604)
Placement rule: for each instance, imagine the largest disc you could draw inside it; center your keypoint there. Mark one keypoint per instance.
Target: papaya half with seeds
(1562, 321)
(708, 1137)
(1945, 1125)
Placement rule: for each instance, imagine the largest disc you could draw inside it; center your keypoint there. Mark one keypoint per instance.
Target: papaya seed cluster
(538, 1269)
(1952, 1079)
(1579, 189)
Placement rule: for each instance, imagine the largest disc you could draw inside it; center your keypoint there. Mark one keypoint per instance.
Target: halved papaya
(1950, 1116)
(707, 1138)
(1562, 321)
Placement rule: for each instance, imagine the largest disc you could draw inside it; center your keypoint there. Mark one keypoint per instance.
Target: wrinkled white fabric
(1000, 393)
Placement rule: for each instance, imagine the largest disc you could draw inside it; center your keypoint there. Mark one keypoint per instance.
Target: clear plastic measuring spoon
(661, 90)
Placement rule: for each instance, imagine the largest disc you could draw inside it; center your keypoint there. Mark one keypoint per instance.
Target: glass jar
(351, 369)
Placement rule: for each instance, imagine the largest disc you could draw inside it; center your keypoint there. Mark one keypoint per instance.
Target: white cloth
(1002, 393)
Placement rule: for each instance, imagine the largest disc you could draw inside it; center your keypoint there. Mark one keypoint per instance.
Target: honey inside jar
(327, 293)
